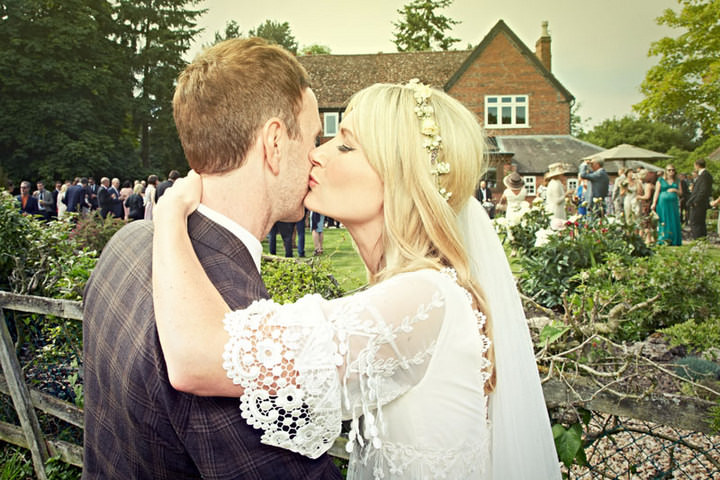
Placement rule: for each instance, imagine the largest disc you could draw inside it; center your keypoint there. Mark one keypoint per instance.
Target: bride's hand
(180, 200)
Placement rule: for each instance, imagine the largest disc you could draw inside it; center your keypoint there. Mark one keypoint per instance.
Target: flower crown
(431, 131)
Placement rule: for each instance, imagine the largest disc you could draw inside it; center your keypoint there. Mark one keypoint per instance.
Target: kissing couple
(191, 371)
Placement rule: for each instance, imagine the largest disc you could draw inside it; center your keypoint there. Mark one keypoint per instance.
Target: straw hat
(514, 181)
(556, 169)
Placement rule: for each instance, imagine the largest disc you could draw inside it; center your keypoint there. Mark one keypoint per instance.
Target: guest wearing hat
(514, 195)
(555, 196)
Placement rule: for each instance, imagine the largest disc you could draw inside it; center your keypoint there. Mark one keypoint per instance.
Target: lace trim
(408, 461)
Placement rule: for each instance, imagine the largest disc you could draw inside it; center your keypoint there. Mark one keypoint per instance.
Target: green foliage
(92, 231)
(155, 35)
(698, 336)
(289, 280)
(232, 30)
(422, 29)
(64, 89)
(569, 441)
(641, 132)
(276, 32)
(642, 295)
(549, 270)
(15, 464)
(715, 417)
(315, 49)
(683, 89)
(523, 234)
(696, 368)
(56, 469)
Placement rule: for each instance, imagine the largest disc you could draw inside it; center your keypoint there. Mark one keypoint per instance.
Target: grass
(339, 252)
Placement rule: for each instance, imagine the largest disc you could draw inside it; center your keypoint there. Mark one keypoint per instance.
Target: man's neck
(243, 202)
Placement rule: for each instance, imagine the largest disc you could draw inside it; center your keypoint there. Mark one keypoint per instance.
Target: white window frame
(336, 117)
(514, 102)
(572, 184)
(530, 184)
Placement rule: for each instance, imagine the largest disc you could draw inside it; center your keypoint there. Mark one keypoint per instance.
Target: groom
(247, 120)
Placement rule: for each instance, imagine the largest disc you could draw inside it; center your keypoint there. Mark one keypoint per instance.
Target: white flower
(429, 127)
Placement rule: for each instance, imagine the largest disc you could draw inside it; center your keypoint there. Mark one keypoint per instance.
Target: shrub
(550, 265)
(93, 232)
(697, 336)
(288, 280)
(641, 295)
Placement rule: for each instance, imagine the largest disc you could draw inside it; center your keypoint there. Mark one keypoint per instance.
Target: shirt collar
(248, 239)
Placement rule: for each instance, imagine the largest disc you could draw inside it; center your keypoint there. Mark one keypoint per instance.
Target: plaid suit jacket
(136, 425)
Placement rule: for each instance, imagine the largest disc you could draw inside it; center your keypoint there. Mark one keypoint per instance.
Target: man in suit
(172, 176)
(598, 185)
(92, 191)
(485, 196)
(260, 121)
(27, 203)
(107, 199)
(76, 196)
(699, 200)
(46, 205)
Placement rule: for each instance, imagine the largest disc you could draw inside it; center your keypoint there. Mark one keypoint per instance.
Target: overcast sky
(599, 47)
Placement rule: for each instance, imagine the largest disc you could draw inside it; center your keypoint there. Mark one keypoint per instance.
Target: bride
(433, 363)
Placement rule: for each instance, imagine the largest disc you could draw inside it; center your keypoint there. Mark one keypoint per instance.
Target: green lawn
(338, 250)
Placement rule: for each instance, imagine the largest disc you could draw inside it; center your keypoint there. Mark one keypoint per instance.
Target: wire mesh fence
(624, 448)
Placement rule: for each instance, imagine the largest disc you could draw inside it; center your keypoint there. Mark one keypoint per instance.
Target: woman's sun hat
(514, 181)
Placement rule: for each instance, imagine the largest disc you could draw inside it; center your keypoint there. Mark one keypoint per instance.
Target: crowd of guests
(127, 200)
(658, 204)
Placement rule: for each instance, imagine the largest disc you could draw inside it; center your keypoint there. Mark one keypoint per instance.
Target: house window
(506, 111)
(529, 185)
(572, 184)
(330, 122)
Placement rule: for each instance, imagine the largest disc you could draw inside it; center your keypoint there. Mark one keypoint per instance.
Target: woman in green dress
(666, 204)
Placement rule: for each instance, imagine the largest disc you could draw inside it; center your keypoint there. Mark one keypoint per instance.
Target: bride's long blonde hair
(420, 225)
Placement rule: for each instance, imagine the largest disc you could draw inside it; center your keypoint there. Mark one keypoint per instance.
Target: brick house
(525, 110)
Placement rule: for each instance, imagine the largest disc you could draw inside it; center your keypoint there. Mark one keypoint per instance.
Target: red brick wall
(502, 70)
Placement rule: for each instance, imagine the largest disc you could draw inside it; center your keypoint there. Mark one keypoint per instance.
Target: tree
(232, 30)
(683, 89)
(315, 49)
(157, 34)
(641, 132)
(276, 32)
(65, 90)
(421, 28)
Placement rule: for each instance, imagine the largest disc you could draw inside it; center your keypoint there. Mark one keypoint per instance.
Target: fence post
(21, 399)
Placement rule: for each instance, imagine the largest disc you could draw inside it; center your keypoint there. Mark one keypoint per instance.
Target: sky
(599, 47)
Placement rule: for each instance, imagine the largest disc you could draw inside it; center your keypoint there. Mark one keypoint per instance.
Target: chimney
(542, 47)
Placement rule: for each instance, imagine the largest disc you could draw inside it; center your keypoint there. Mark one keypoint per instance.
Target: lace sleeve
(306, 366)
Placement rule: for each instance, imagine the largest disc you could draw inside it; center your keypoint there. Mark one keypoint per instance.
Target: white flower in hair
(431, 131)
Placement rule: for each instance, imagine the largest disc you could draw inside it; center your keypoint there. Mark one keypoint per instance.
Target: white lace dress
(404, 360)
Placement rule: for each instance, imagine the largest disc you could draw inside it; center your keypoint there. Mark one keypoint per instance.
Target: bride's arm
(189, 310)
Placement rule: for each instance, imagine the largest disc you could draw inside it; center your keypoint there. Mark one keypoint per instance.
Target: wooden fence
(679, 412)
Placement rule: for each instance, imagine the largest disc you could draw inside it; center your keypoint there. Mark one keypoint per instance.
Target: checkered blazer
(136, 425)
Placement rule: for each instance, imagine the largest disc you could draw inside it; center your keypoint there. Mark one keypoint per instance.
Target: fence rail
(671, 411)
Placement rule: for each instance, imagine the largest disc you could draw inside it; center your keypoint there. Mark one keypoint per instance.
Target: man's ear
(272, 138)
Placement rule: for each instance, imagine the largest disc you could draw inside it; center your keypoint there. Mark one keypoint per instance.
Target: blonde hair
(420, 227)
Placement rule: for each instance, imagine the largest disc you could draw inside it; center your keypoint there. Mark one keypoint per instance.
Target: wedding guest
(149, 196)
(27, 204)
(441, 328)
(556, 191)
(667, 205)
(700, 200)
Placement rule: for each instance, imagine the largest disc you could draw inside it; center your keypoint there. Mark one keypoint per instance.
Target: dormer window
(506, 111)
